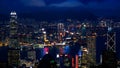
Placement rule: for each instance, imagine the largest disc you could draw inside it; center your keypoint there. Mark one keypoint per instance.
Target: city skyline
(59, 33)
(75, 39)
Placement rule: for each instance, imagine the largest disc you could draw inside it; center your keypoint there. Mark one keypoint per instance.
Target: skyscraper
(109, 58)
(91, 45)
(60, 31)
(13, 50)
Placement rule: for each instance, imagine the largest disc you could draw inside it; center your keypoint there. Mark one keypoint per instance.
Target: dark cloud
(46, 3)
(54, 1)
(38, 3)
(73, 3)
(94, 6)
(88, 1)
(68, 3)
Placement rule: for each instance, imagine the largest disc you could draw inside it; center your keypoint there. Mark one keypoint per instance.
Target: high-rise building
(91, 45)
(51, 32)
(60, 31)
(111, 41)
(109, 58)
(84, 49)
(13, 50)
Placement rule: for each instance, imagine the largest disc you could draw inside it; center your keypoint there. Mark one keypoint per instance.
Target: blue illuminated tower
(83, 46)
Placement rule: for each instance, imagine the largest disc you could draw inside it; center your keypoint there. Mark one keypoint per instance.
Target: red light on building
(61, 50)
(46, 50)
(73, 65)
(76, 66)
(61, 34)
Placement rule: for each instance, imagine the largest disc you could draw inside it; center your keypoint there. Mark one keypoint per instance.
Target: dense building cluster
(59, 44)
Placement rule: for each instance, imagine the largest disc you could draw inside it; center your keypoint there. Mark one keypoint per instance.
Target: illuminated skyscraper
(13, 51)
(84, 57)
(91, 45)
(109, 58)
(111, 41)
(60, 31)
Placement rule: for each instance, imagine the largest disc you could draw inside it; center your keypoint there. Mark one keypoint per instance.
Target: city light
(73, 65)
(43, 29)
(57, 56)
(70, 44)
(76, 66)
(13, 13)
(80, 53)
(85, 49)
(46, 50)
(44, 32)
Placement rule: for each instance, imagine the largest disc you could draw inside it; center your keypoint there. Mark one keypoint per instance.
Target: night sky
(76, 7)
